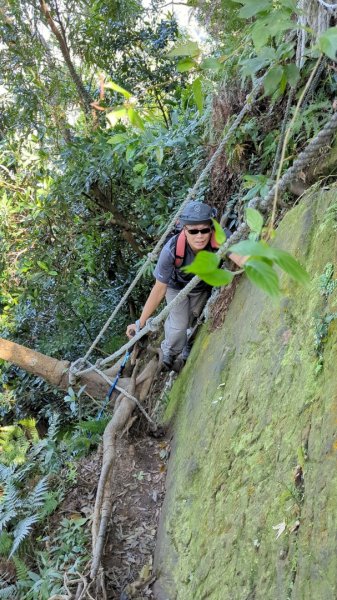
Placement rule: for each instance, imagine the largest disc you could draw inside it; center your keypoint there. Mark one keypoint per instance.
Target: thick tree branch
(84, 96)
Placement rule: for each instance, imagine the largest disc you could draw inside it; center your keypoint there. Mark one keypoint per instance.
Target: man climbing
(178, 252)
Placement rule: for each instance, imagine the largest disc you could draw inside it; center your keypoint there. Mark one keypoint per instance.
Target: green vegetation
(109, 113)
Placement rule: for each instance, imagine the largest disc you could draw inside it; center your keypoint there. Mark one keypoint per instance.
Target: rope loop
(151, 325)
(254, 202)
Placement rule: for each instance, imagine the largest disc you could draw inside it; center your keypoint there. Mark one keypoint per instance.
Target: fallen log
(56, 372)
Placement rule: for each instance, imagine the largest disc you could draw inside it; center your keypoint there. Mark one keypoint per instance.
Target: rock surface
(251, 504)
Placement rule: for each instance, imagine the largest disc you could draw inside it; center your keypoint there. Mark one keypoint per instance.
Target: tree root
(139, 387)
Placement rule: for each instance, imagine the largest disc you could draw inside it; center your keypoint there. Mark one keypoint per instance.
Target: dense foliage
(109, 113)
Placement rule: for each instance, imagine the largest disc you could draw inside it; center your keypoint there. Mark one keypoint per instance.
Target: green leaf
(254, 220)
(253, 7)
(252, 248)
(197, 94)
(110, 85)
(119, 138)
(220, 236)
(204, 262)
(115, 114)
(186, 64)
(291, 4)
(264, 276)
(327, 43)
(292, 73)
(290, 265)
(43, 265)
(129, 152)
(187, 49)
(272, 79)
(159, 154)
(211, 63)
(260, 34)
(135, 118)
(218, 277)
(140, 168)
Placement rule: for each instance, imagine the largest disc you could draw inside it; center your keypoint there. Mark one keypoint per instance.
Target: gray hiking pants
(180, 319)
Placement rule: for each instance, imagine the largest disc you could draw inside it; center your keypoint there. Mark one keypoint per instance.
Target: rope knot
(254, 202)
(151, 325)
(152, 256)
(74, 368)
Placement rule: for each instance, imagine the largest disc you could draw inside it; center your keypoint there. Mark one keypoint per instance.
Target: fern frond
(22, 530)
(6, 542)
(37, 497)
(6, 518)
(8, 592)
(6, 472)
(52, 500)
(94, 426)
(54, 427)
(21, 568)
(10, 499)
(29, 425)
(22, 471)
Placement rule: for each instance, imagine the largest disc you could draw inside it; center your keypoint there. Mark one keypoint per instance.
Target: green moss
(246, 401)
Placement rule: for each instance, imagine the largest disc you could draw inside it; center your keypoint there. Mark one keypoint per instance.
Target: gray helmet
(196, 212)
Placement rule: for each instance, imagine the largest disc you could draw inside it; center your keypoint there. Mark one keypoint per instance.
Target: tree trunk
(55, 372)
(83, 94)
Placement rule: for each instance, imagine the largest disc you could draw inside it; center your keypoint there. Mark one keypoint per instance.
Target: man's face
(198, 235)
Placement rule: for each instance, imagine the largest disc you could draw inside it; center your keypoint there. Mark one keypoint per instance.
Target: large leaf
(187, 49)
(254, 220)
(220, 236)
(289, 264)
(264, 276)
(272, 79)
(293, 74)
(186, 64)
(115, 114)
(211, 63)
(251, 248)
(117, 88)
(253, 7)
(204, 262)
(327, 42)
(119, 138)
(198, 94)
(135, 118)
(159, 151)
(218, 277)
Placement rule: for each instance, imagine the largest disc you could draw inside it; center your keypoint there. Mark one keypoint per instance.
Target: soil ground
(138, 482)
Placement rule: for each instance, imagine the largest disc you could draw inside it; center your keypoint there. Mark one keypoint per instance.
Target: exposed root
(124, 407)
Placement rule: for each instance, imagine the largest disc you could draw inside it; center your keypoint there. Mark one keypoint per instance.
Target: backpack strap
(180, 249)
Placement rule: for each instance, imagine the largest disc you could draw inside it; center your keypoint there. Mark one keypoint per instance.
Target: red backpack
(181, 247)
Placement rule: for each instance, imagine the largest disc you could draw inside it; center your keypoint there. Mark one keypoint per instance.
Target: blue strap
(113, 385)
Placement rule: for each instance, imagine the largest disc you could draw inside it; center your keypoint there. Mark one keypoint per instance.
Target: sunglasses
(196, 231)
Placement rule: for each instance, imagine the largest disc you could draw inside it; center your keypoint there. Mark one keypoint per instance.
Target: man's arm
(238, 260)
(157, 294)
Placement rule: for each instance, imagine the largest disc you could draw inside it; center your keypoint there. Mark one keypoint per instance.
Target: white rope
(125, 393)
(153, 323)
(191, 194)
(263, 204)
(328, 6)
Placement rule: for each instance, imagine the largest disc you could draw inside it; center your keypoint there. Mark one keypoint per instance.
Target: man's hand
(131, 330)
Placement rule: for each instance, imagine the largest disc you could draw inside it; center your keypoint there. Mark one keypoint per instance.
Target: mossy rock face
(251, 504)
